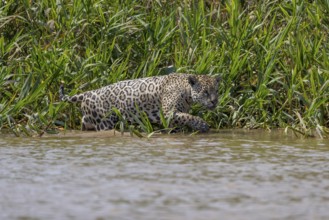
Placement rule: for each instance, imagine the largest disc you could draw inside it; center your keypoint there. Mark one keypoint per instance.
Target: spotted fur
(174, 94)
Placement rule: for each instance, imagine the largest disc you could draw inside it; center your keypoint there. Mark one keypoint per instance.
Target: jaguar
(173, 94)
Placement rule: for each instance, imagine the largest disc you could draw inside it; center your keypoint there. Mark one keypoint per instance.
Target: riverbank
(273, 58)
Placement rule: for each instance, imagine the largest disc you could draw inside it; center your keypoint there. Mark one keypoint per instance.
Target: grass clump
(273, 57)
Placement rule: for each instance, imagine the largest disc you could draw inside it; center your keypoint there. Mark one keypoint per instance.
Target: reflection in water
(231, 175)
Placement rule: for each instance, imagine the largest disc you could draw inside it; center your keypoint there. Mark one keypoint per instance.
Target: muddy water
(230, 175)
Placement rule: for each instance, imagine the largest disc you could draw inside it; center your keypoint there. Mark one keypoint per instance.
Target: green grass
(273, 57)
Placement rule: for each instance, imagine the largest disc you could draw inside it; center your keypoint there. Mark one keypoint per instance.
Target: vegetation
(273, 56)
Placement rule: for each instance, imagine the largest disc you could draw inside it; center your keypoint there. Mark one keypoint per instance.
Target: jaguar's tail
(66, 98)
(62, 97)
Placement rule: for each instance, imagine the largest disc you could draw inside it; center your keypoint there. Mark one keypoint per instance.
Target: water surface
(227, 175)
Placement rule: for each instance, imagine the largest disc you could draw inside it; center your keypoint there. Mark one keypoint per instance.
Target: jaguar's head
(204, 90)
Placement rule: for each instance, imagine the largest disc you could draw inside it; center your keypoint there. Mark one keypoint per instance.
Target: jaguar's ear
(192, 80)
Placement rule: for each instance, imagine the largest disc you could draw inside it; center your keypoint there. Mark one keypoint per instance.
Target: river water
(233, 174)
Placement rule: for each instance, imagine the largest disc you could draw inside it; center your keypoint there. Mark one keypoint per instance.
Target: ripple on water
(232, 175)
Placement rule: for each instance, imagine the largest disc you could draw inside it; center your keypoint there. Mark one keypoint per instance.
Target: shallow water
(227, 175)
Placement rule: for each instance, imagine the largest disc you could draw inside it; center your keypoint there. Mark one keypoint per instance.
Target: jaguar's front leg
(194, 122)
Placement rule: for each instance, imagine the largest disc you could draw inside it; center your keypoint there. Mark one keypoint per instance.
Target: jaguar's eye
(206, 93)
